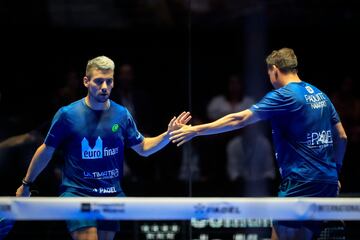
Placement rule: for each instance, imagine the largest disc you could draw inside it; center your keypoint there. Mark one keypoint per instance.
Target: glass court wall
(203, 56)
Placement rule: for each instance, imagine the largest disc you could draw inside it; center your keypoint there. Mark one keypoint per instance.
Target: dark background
(182, 53)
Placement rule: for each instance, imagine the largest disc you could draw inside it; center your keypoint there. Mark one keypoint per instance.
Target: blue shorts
(104, 225)
(293, 188)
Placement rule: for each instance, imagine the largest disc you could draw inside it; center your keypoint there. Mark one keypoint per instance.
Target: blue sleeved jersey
(93, 143)
(302, 119)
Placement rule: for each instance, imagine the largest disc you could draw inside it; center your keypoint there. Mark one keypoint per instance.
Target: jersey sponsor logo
(110, 151)
(97, 151)
(113, 173)
(105, 190)
(320, 139)
(309, 89)
(115, 127)
(316, 101)
(92, 153)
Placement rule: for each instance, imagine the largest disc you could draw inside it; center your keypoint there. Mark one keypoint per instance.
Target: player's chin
(103, 97)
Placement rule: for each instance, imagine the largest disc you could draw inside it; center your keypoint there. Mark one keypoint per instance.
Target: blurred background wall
(173, 55)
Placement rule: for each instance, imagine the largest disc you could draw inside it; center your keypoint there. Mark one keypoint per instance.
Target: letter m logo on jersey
(92, 153)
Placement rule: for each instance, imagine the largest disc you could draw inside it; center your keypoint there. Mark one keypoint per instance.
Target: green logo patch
(115, 127)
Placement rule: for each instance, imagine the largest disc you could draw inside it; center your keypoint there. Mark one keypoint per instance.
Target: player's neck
(290, 78)
(95, 105)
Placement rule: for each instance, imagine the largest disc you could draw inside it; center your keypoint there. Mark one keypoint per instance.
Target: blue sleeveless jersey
(93, 143)
(303, 120)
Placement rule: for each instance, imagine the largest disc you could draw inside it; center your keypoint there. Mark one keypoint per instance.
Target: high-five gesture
(178, 122)
(183, 135)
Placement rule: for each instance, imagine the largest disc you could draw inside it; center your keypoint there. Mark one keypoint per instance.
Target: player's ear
(86, 81)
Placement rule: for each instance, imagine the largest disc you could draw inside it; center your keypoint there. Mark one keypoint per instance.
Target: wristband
(26, 183)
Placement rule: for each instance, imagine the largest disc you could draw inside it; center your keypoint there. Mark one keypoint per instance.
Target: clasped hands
(179, 132)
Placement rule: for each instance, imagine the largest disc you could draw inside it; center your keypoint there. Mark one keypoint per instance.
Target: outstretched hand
(178, 122)
(182, 135)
